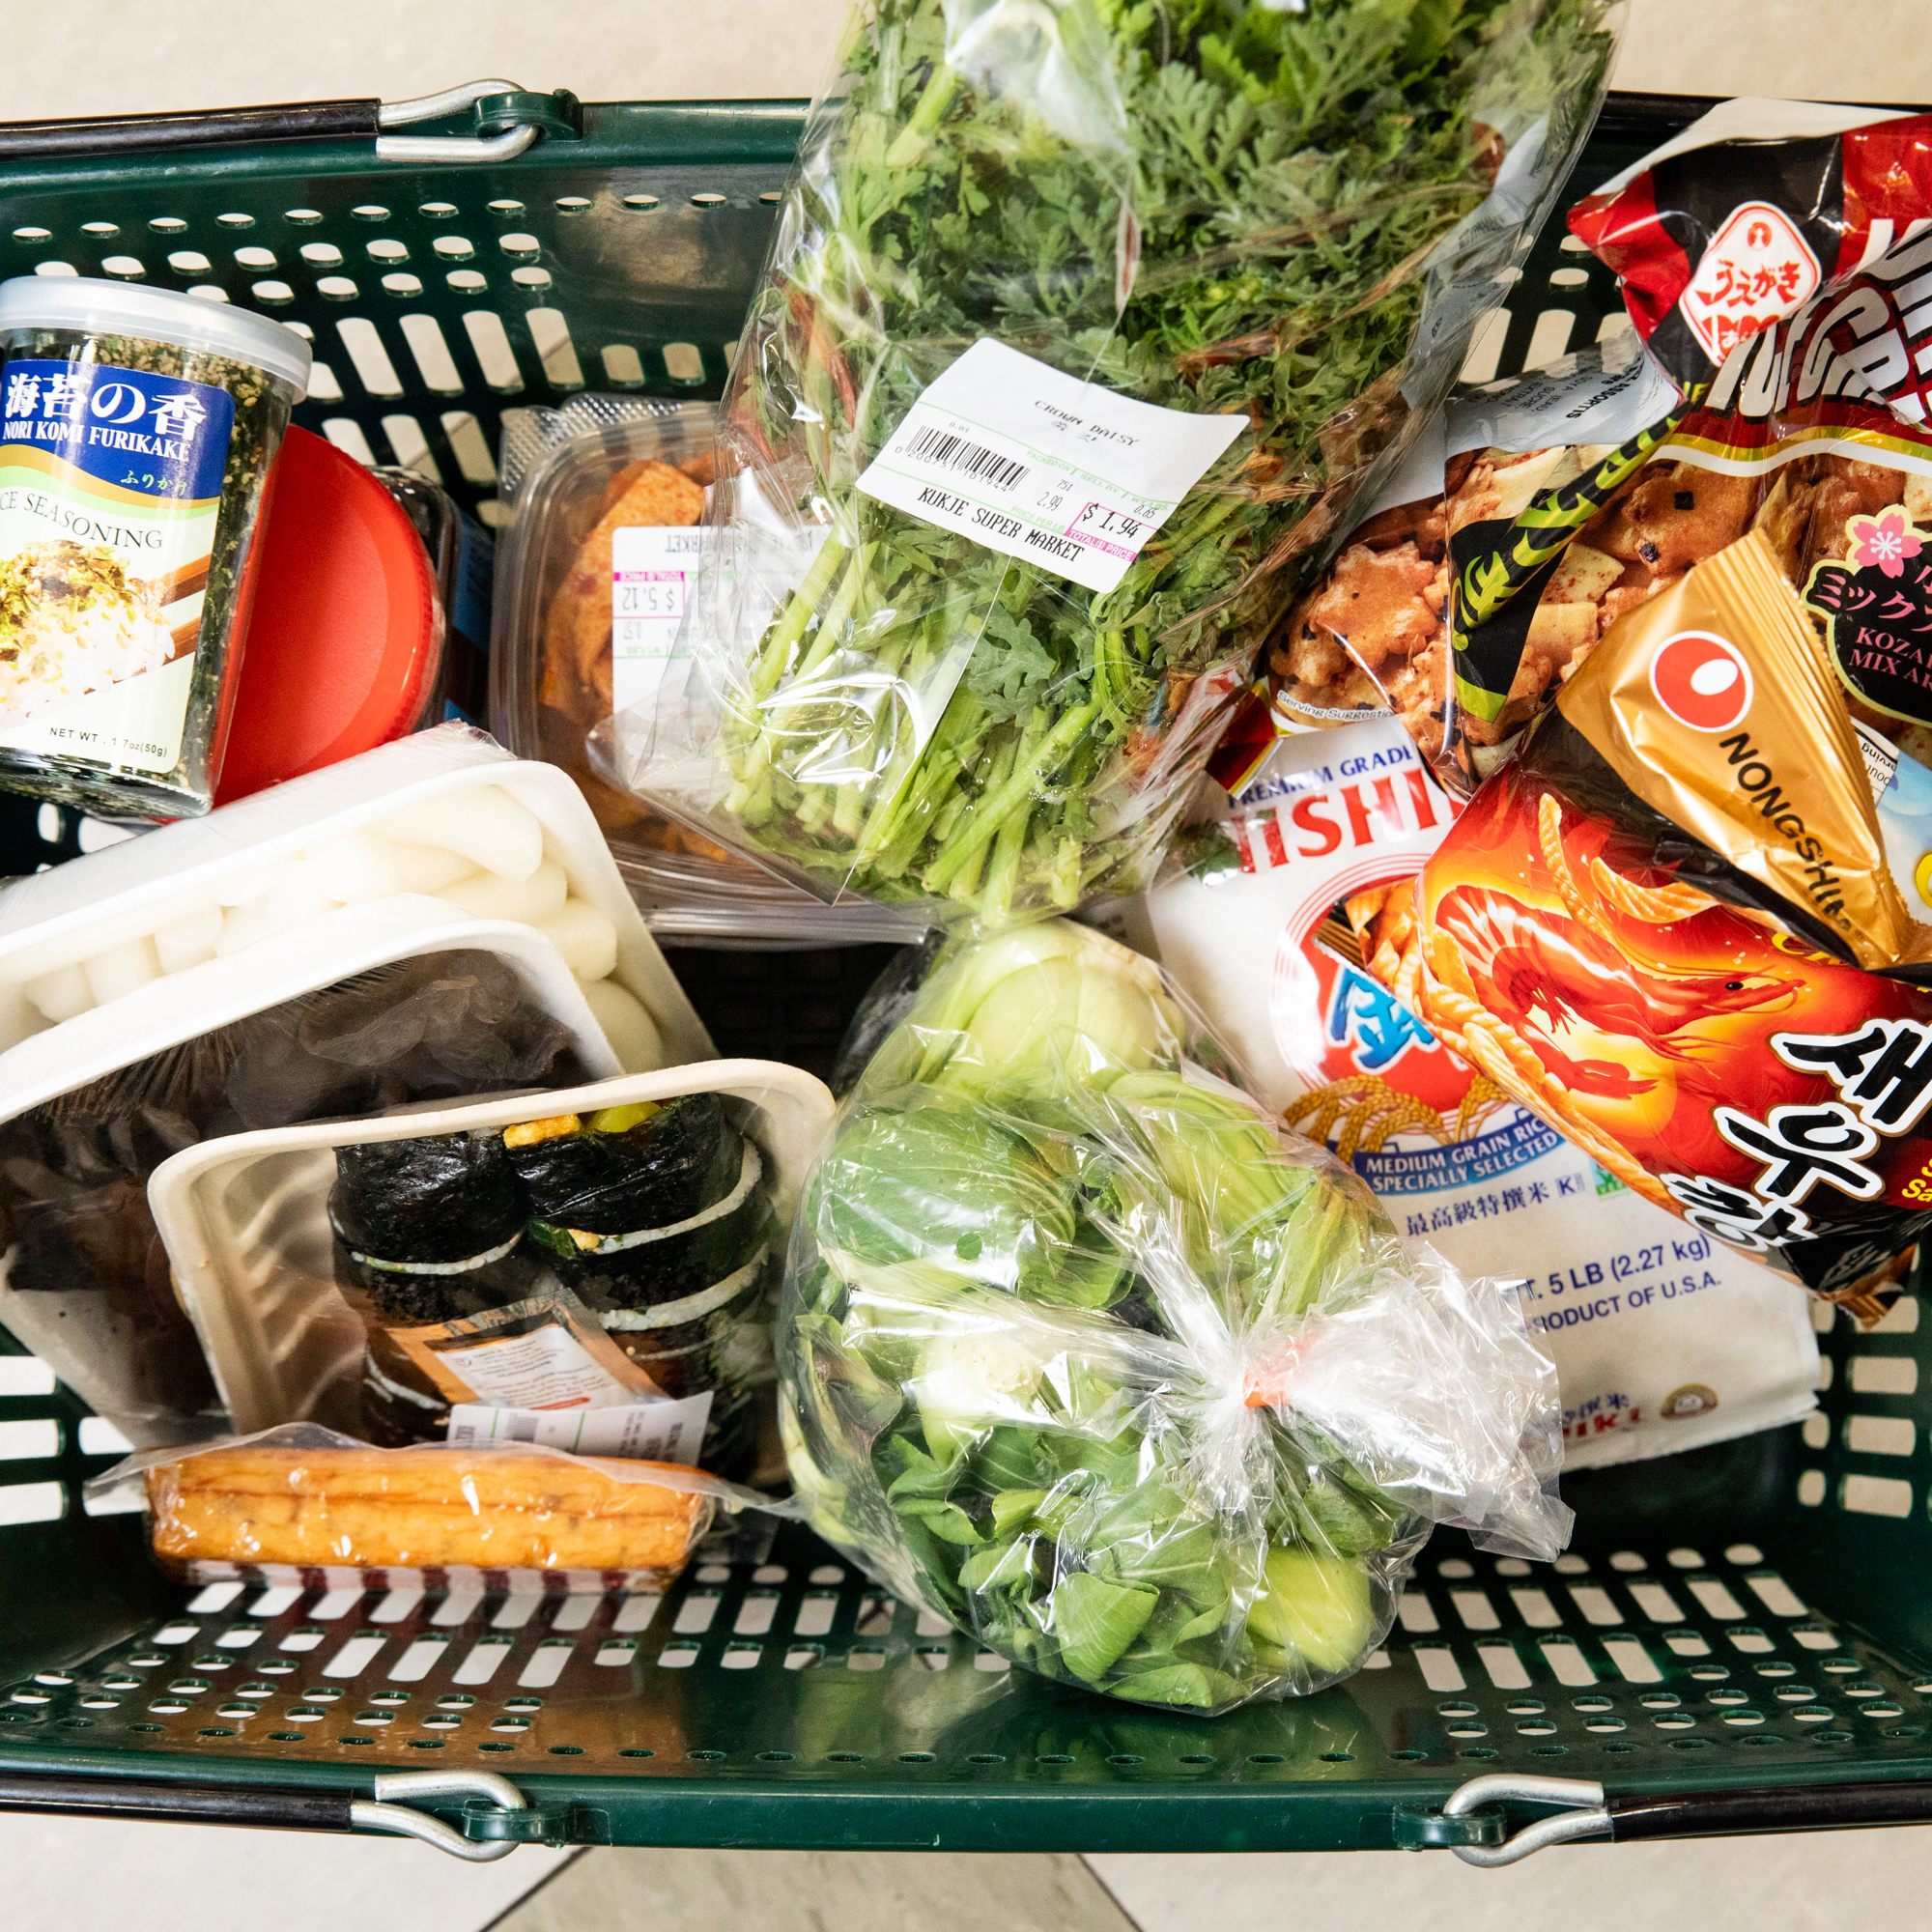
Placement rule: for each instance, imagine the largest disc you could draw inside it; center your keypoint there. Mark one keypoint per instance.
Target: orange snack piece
(576, 639)
(424, 1508)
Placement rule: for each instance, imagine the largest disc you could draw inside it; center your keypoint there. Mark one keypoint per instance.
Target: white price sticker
(649, 1431)
(1041, 465)
(651, 572)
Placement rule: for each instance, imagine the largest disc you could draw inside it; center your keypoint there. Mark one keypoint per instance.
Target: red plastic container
(344, 638)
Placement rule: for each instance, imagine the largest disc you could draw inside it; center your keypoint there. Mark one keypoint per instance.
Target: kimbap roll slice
(720, 1340)
(656, 1217)
(642, 1205)
(426, 1230)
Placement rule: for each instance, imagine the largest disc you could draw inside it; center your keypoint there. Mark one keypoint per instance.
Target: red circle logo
(1702, 681)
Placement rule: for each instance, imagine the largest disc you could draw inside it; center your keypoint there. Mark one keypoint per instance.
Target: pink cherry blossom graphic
(1886, 540)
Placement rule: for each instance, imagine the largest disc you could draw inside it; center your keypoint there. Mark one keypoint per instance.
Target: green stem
(1009, 847)
(750, 803)
(790, 626)
(776, 721)
(903, 829)
(926, 115)
(984, 822)
(998, 772)
(831, 626)
(814, 810)
(1063, 888)
(848, 815)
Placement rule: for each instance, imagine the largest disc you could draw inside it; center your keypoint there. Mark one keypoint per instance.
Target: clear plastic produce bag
(1080, 1351)
(1085, 325)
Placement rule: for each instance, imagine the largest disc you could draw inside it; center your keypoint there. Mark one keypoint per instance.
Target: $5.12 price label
(651, 572)
(1040, 466)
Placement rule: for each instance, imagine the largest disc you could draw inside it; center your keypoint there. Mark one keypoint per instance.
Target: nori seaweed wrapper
(439, 1199)
(399, 1403)
(728, 1350)
(665, 1168)
(668, 1169)
(685, 1158)
(444, 1199)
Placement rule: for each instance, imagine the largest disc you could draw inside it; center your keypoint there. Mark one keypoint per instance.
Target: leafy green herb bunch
(1211, 206)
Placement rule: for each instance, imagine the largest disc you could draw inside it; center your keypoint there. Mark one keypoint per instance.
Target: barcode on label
(520, 1429)
(955, 452)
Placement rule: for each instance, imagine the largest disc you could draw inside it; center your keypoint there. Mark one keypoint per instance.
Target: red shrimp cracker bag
(1671, 928)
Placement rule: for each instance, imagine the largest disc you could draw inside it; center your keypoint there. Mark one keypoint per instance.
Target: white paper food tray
(89, 905)
(246, 1219)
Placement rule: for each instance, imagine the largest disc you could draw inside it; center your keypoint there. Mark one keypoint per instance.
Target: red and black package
(1674, 927)
(1750, 214)
(1817, 433)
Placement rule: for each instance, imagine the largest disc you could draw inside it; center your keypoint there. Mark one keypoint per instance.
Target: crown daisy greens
(1213, 206)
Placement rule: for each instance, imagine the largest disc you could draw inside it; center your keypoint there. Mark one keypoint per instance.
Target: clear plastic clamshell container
(605, 499)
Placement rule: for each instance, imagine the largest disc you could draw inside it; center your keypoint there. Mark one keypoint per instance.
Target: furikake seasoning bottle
(138, 427)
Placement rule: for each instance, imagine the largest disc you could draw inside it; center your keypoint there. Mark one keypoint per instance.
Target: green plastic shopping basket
(1737, 1641)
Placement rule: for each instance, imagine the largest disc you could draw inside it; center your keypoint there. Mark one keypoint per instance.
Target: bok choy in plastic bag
(1079, 1351)
(1086, 323)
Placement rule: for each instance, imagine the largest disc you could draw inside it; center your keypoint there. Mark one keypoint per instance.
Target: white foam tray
(245, 1220)
(78, 910)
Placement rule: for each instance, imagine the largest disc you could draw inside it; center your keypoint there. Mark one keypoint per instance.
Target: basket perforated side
(1750, 1613)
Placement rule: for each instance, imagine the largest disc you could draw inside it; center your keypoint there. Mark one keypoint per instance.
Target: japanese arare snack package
(582, 1282)
(1081, 1351)
(1671, 929)
(1085, 327)
(1750, 214)
(1285, 927)
(1813, 434)
(84, 1279)
(1373, 637)
(1810, 437)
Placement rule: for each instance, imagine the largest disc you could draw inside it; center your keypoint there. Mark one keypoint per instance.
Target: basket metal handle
(1472, 1821)
(497, 1816)
(510, 119)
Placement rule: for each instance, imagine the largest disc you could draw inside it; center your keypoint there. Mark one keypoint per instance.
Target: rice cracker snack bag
(1809, 420)
(1373, 637)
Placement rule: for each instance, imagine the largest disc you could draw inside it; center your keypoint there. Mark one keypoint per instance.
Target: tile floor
(109, 56)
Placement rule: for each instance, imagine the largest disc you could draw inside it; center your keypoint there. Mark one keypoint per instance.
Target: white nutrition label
(547, 1367)
(1037, 465)
(652, 1432)
(651, 574)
